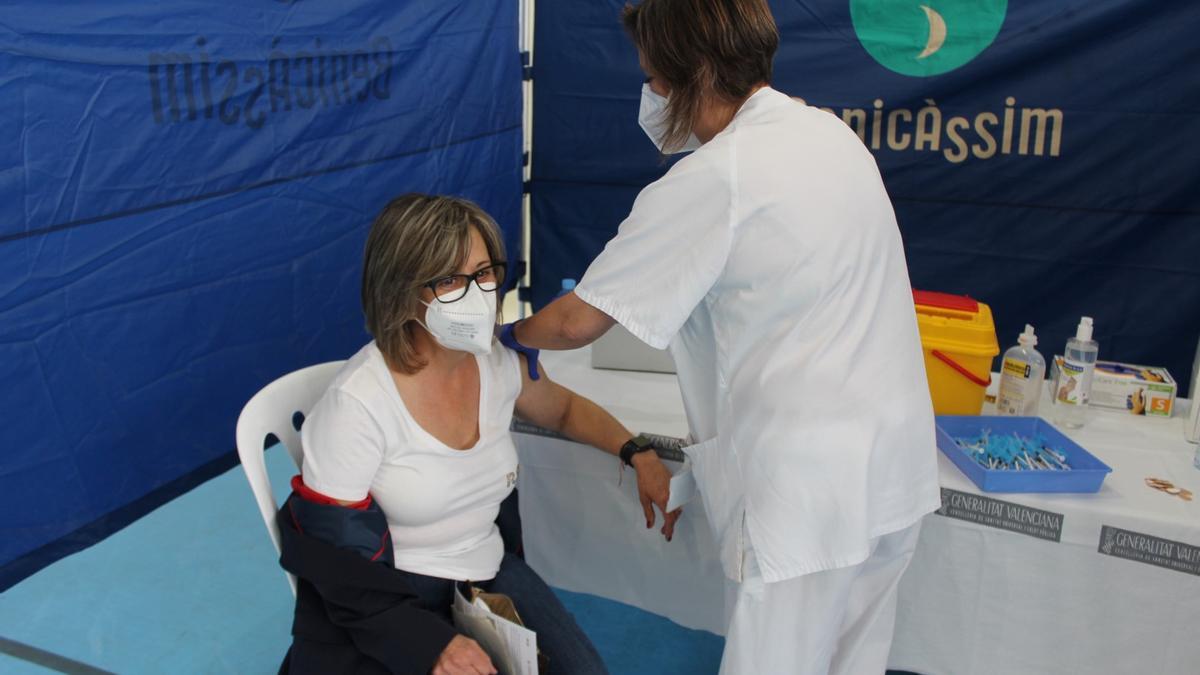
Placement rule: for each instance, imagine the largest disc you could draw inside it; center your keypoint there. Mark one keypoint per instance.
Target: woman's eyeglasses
(453, 287)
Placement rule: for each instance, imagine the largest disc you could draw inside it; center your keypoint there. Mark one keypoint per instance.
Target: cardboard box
(1138, 390)
(618, 349)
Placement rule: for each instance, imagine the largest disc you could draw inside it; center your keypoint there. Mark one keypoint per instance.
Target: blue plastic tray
(1086, 475)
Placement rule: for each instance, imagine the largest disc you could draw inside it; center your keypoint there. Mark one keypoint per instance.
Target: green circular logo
(926, 37)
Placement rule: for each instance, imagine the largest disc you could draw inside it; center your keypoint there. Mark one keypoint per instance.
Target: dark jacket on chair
(354, 613)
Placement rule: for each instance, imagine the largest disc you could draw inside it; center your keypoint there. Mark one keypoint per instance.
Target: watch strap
(633, 446)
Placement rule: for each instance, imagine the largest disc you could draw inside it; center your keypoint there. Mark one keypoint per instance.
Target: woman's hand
(654, 489)
(463, 656)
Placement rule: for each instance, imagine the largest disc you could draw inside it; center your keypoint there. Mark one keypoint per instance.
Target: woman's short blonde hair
(415, 239)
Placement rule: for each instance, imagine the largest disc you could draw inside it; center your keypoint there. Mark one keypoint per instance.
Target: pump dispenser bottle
(1073, 387)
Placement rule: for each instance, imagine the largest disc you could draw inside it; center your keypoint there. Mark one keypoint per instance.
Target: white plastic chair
(278, 409)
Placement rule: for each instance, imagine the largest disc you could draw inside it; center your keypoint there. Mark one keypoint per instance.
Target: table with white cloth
(1000, 583)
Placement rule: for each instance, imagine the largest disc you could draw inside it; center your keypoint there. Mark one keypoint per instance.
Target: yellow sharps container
(958, 338)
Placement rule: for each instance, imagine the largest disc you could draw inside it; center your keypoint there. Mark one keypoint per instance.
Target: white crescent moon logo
(937, 33)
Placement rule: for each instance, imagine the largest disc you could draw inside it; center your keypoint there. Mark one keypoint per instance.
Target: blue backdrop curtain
(185, 189)
(1040, 155)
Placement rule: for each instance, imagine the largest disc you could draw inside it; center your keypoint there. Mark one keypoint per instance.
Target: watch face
(637, 444)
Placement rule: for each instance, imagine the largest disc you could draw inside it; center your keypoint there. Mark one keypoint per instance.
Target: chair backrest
(278, 409)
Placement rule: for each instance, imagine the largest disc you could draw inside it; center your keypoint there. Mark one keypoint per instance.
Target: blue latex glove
(509, 339)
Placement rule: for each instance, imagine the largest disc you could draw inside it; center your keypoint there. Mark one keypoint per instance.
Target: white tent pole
(526, 45)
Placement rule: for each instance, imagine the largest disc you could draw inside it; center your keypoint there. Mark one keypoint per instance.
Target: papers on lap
(511, 646)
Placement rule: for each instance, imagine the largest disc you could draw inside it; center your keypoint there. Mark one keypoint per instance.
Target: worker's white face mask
(465, 325)
(653, 120)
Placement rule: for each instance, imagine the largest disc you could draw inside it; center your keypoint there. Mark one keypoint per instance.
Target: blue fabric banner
(185, 190)
(1038, 153)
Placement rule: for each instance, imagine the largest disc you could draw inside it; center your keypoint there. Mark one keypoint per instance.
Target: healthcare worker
(769, 262)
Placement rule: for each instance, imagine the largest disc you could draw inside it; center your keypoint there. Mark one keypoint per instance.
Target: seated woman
(419, 420)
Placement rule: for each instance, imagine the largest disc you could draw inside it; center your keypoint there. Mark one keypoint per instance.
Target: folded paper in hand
(492, 621)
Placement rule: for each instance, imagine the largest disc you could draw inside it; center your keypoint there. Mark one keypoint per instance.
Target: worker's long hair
(701, 49)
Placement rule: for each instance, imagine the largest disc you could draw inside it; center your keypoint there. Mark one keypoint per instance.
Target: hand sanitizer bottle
(1021, 376)
(1073, 388)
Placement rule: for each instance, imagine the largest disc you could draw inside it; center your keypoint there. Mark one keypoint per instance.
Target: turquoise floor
(194, 588)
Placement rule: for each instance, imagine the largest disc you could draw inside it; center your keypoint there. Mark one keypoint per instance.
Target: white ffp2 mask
(464, 325)
(652, 117)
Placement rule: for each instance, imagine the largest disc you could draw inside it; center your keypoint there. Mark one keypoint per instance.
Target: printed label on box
(666, 447)
(1140, 390)
(1001, 514)
(523, 427)
(1151, 550)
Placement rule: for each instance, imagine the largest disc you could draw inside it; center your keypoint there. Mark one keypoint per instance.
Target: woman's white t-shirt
(441, 503)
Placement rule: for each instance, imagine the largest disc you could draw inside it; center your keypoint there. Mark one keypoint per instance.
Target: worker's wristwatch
(633, 446)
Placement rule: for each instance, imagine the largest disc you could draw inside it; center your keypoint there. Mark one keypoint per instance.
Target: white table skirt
(978, 598)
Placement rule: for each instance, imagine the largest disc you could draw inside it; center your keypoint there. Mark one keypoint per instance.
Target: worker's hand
(509, 339)
(654, 489)
(463, 656)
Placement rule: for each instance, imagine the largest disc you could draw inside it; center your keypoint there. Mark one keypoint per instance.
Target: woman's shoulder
(501, 358)
(354, 404)
(363, 378)
(505, 365)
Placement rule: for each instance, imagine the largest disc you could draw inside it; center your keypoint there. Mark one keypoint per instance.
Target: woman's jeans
(567, 648)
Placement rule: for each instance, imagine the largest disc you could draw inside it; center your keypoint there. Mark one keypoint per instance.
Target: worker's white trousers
(837, 622)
